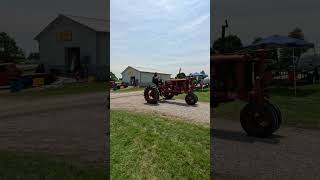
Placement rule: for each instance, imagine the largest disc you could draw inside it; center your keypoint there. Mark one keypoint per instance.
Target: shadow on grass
(151, 104)
(177, 103)
(243, 137)
(171, 102)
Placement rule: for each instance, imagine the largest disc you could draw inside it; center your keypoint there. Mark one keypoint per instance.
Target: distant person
(316, 74)
(85, 70)
(114, 86)
(155, 79)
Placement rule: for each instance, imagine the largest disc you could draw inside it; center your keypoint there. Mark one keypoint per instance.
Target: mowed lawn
(203, 95)
(148, 146)
(300, 111)
(32, 166)
(66, 89)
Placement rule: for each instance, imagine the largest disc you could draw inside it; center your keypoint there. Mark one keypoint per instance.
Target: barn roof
(147, 70)
(98, 25)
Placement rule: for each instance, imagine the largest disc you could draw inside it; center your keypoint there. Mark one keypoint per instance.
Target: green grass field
(31, 166)
(146, 146)
(203, 95)
(74, 88)
(299, 111)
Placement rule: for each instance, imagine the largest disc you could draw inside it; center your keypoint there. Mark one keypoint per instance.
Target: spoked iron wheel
(278, 112)
(167, 94)
(259, 120)
(151, 95)
(191, 99)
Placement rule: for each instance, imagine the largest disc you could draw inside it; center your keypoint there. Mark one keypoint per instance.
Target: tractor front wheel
(259, 120)
(151, 95)
(278, 112)
(191, 99)
(168, 96)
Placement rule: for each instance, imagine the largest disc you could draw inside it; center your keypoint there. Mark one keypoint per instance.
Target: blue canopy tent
(277, 41)
(199, 78)
(198, 74)
(283, 41)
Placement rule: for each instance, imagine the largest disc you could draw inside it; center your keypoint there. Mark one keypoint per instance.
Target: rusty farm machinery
(171, 88)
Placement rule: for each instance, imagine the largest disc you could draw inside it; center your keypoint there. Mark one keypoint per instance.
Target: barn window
(64, 36)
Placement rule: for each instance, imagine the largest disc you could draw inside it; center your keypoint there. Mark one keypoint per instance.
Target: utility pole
(223, 35)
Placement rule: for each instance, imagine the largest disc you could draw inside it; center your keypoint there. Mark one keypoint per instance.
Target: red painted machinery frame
(243, 76)
(177, 86)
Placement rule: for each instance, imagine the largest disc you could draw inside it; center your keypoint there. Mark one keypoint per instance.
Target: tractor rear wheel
(191, 99)
(151, 95)
(259, 120)
(279, 115)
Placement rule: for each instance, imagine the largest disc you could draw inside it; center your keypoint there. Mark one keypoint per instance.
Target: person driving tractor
(155, 79)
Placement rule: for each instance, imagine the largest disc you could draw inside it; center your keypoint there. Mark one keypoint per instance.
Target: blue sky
(163, 35)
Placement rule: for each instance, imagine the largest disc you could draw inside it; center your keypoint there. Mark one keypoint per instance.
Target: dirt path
(292, 153)
(134, 101)
(74, 126)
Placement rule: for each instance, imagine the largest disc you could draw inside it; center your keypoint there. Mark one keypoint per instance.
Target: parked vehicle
(8, 72)
(116, 85)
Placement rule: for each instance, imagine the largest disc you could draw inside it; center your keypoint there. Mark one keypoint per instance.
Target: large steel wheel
(151, 95)
(259, 120)
(167, 94)
(191, 99)
(279, 115)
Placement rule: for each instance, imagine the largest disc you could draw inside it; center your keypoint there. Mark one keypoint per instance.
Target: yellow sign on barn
(64, 36)
(38, 82)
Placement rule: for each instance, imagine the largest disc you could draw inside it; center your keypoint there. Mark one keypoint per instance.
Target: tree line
(10, 51)
(232, 43)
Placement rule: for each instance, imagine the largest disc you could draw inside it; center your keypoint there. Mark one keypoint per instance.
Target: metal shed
(70, 41)
(141, 76)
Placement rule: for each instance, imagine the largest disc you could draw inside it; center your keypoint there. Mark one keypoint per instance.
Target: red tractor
(8, 72)
(171, 88)
(246, 76)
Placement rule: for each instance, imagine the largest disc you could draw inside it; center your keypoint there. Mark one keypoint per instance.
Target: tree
(232, 43)
(296, 33)
(202, 72)
(33, 56)
(180, 75)
(113, 77)
(286, 54)
(256, 40)
(9, 50)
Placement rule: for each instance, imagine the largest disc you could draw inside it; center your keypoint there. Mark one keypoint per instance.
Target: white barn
(74, 41)
(141, 76)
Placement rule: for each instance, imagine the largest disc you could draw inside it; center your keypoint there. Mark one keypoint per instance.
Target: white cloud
(164, 35)
(194, 23)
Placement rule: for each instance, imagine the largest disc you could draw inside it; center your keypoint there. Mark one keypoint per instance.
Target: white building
(70, 42)
(141, 76)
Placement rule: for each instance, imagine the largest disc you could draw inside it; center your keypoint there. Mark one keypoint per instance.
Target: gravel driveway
(73, 126)
(291, 154)
(134, 101)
